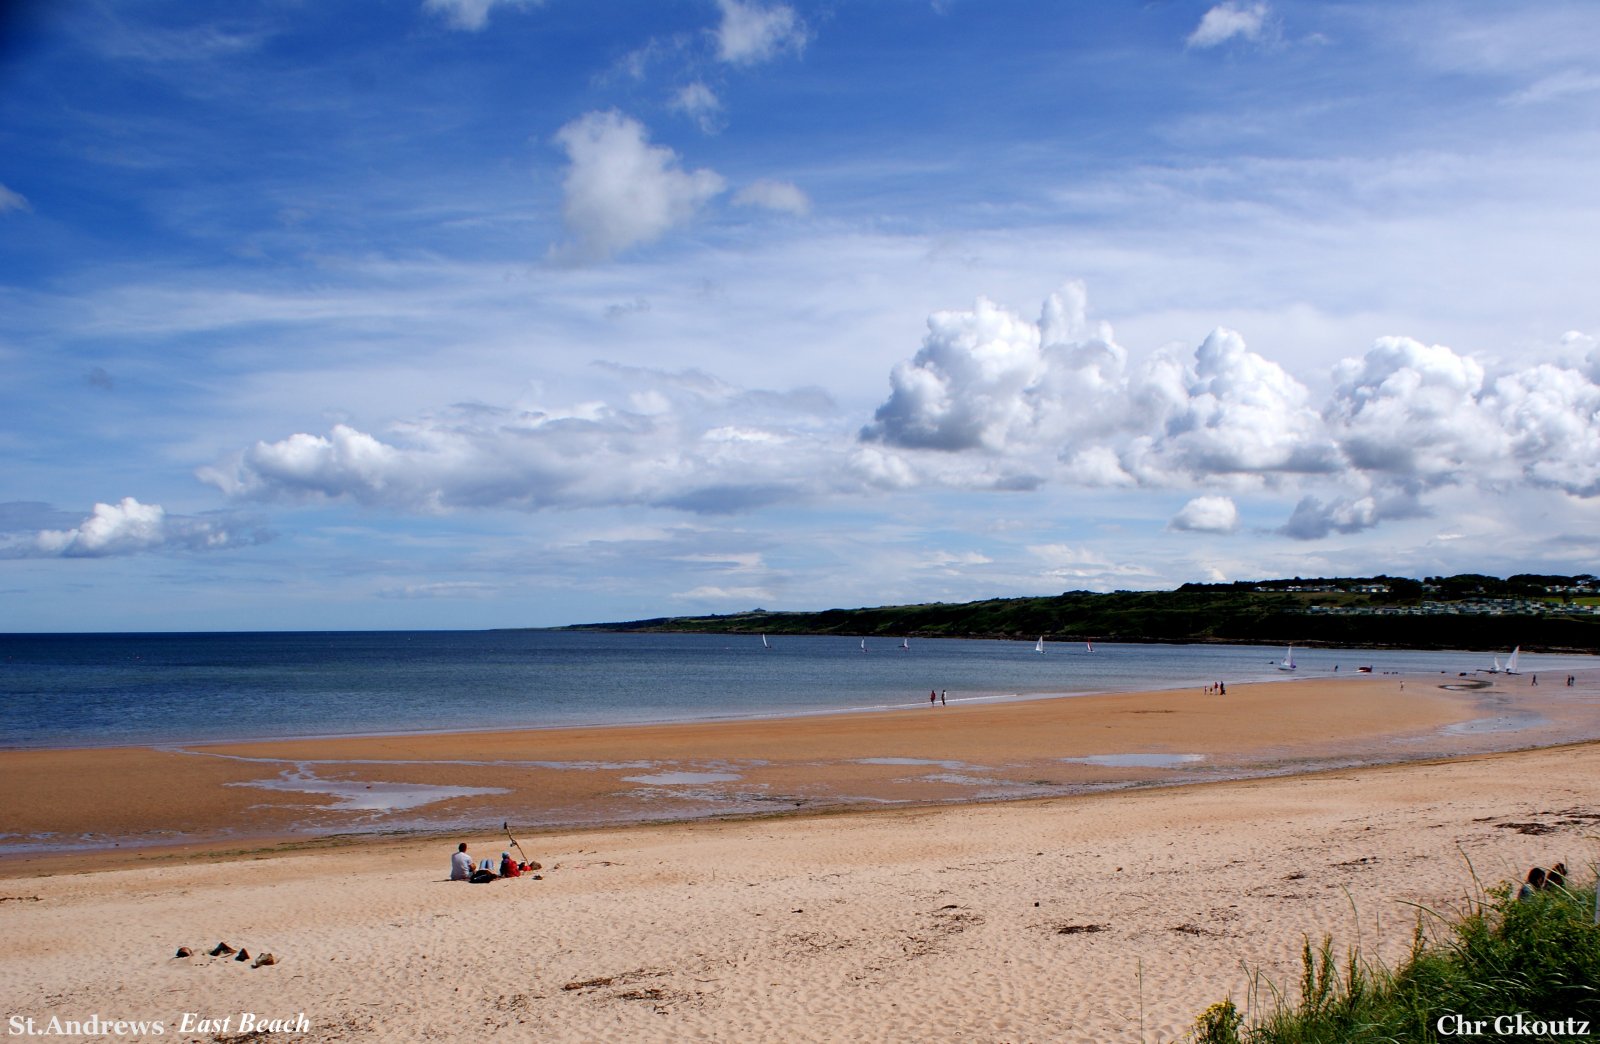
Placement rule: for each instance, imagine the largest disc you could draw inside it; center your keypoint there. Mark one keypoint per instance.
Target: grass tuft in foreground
(1506, 970)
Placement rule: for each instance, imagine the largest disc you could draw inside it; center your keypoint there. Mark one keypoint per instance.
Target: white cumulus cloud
(751, 33)
(993, 400)
(127, 528)
(1412, 411)
(1550, 416)
(621, 191)
(1208, 514)
(991, 380)
(1228, 20)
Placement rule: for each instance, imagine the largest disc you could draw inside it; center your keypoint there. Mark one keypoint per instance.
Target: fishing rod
(506, 826)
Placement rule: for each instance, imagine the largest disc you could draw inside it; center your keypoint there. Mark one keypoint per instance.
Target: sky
(500, 313)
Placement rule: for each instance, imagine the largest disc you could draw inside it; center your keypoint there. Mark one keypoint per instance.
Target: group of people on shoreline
(461, 868)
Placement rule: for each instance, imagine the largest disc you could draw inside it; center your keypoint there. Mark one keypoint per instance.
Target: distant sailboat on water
(863, 645)
(1038, 646)
(1288, 660)
(1088, 647)
(905, 644)
(1510, 666)
(764, 643)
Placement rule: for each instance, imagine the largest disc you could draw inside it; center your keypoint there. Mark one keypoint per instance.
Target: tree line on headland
(1465, 611)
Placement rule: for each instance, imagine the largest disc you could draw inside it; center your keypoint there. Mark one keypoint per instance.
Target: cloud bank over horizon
(991, 401)
(1401, 419)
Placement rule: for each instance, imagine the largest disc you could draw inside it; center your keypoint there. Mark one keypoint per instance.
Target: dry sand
(1104, 917)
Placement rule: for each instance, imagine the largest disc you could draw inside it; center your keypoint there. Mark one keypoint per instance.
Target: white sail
(764, 643)
(1088, 647)
(1288, 660)
(1511, 661)
(905, 643)
(863, 645)
(1038, 646)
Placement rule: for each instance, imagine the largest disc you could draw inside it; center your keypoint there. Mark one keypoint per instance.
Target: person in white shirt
(461, 864)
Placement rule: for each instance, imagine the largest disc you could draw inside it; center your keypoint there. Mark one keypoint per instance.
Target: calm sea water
(88, 690)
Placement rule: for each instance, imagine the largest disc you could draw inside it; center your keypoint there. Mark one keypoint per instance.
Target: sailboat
(1038, 646)
(905, 644)
(1088, 647)
(863, 645)
(764, 643)
(1288, 660)
(1510, 666)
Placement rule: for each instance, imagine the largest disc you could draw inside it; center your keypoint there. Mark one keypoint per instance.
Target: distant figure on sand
(942, 701)
(508, 866)
(461, 864)
(1534, 882)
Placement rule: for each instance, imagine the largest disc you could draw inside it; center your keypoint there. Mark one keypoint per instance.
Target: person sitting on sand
(1556, 877)
(508, 866)
(1534, 882)
(461, 864)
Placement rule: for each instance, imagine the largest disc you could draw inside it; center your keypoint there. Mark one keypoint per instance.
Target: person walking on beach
(933, 697)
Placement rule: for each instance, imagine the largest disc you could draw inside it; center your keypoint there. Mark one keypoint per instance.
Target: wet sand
(129, 805)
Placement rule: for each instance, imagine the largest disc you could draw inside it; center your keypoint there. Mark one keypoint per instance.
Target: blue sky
(475, 313)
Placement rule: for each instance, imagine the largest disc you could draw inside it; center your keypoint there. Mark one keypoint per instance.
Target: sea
(84, 690)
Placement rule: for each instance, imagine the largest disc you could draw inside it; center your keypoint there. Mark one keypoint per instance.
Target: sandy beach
(1096, 916)
(128, 803)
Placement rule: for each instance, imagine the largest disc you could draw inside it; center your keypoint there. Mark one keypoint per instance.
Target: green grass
(1539, 957)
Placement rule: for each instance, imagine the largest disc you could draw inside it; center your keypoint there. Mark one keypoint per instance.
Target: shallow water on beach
(1139, 760)
(95, 690)
(357, 796)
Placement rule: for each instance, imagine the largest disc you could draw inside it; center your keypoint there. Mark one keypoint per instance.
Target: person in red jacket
(508, 866)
